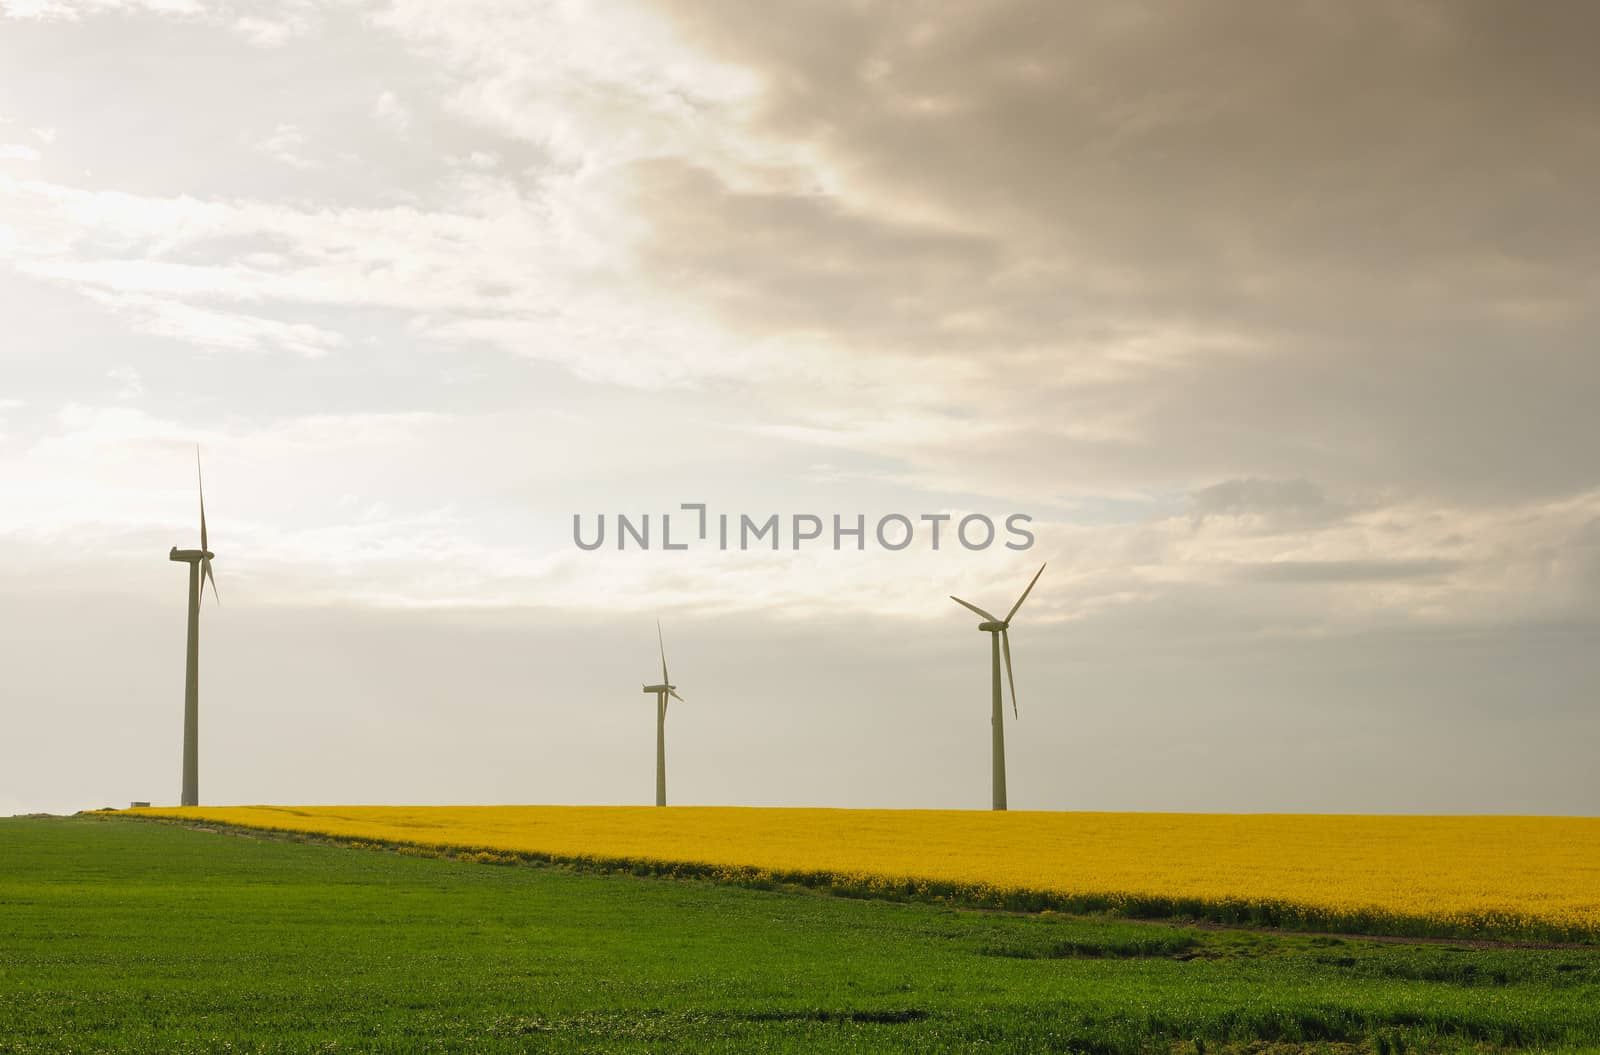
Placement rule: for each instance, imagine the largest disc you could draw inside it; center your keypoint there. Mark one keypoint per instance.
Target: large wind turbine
(662, 691)
(199, 561)
(999, 639)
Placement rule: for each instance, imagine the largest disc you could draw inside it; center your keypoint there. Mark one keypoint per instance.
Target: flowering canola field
(1532, 877)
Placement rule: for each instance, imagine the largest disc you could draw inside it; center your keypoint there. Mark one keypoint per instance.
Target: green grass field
(134, 936)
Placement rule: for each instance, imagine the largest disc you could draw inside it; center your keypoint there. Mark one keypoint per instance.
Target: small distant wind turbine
(662, 691)
(1000, 638)
(199, 561)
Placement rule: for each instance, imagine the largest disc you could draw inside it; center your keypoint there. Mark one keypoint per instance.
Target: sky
(1279, 321)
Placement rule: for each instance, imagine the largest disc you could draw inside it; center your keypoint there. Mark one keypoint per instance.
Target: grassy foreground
(140, 937)
(1505, 877)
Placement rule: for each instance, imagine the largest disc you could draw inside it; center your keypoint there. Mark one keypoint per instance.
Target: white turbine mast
(200, 573)
(1000, 641)
(662, 692)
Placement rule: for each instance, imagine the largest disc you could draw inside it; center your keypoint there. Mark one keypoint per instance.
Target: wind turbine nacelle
(659, 688)
(992, 626)
(190, 556)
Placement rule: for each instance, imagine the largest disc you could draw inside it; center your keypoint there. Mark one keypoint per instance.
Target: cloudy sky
(1279, 320)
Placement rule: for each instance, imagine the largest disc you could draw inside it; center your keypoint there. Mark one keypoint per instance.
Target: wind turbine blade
(1005, 645)
(201, 480)
(1025, 593)
(664, 679)
(974, 608)
(205, 568)
(674, 694)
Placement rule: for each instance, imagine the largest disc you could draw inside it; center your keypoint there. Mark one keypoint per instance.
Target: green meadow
(136, 936)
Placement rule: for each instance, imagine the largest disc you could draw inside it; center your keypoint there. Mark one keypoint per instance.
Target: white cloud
(131, 386)
(271, 23)
(72, 10)
(543, 274)
(389, 510)
(228, 331)
(273, 31)
(598, 87)
(18, 152)
(284, 144)
(391, 113)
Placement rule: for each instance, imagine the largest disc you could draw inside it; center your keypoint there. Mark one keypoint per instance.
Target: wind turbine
(999, 639)
(199, 561)
(662, 691)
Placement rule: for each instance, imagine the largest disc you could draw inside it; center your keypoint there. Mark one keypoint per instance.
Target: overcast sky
(1279, 320)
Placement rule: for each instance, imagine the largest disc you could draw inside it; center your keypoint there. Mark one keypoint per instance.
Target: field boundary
(1241, 913)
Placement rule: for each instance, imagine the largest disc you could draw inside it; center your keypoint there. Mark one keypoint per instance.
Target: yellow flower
(1531, 876)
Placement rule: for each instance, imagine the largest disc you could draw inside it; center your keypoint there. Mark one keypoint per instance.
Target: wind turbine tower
(1000, 641)
(662, 691)
(199, 561)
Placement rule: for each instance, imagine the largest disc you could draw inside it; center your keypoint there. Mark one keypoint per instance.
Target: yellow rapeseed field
(1503, 876)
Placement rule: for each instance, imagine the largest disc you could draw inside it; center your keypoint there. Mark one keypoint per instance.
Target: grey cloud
(1227, 134)
(1409, 253)
(1299, 499)
(1344, 571)
(777, 261)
